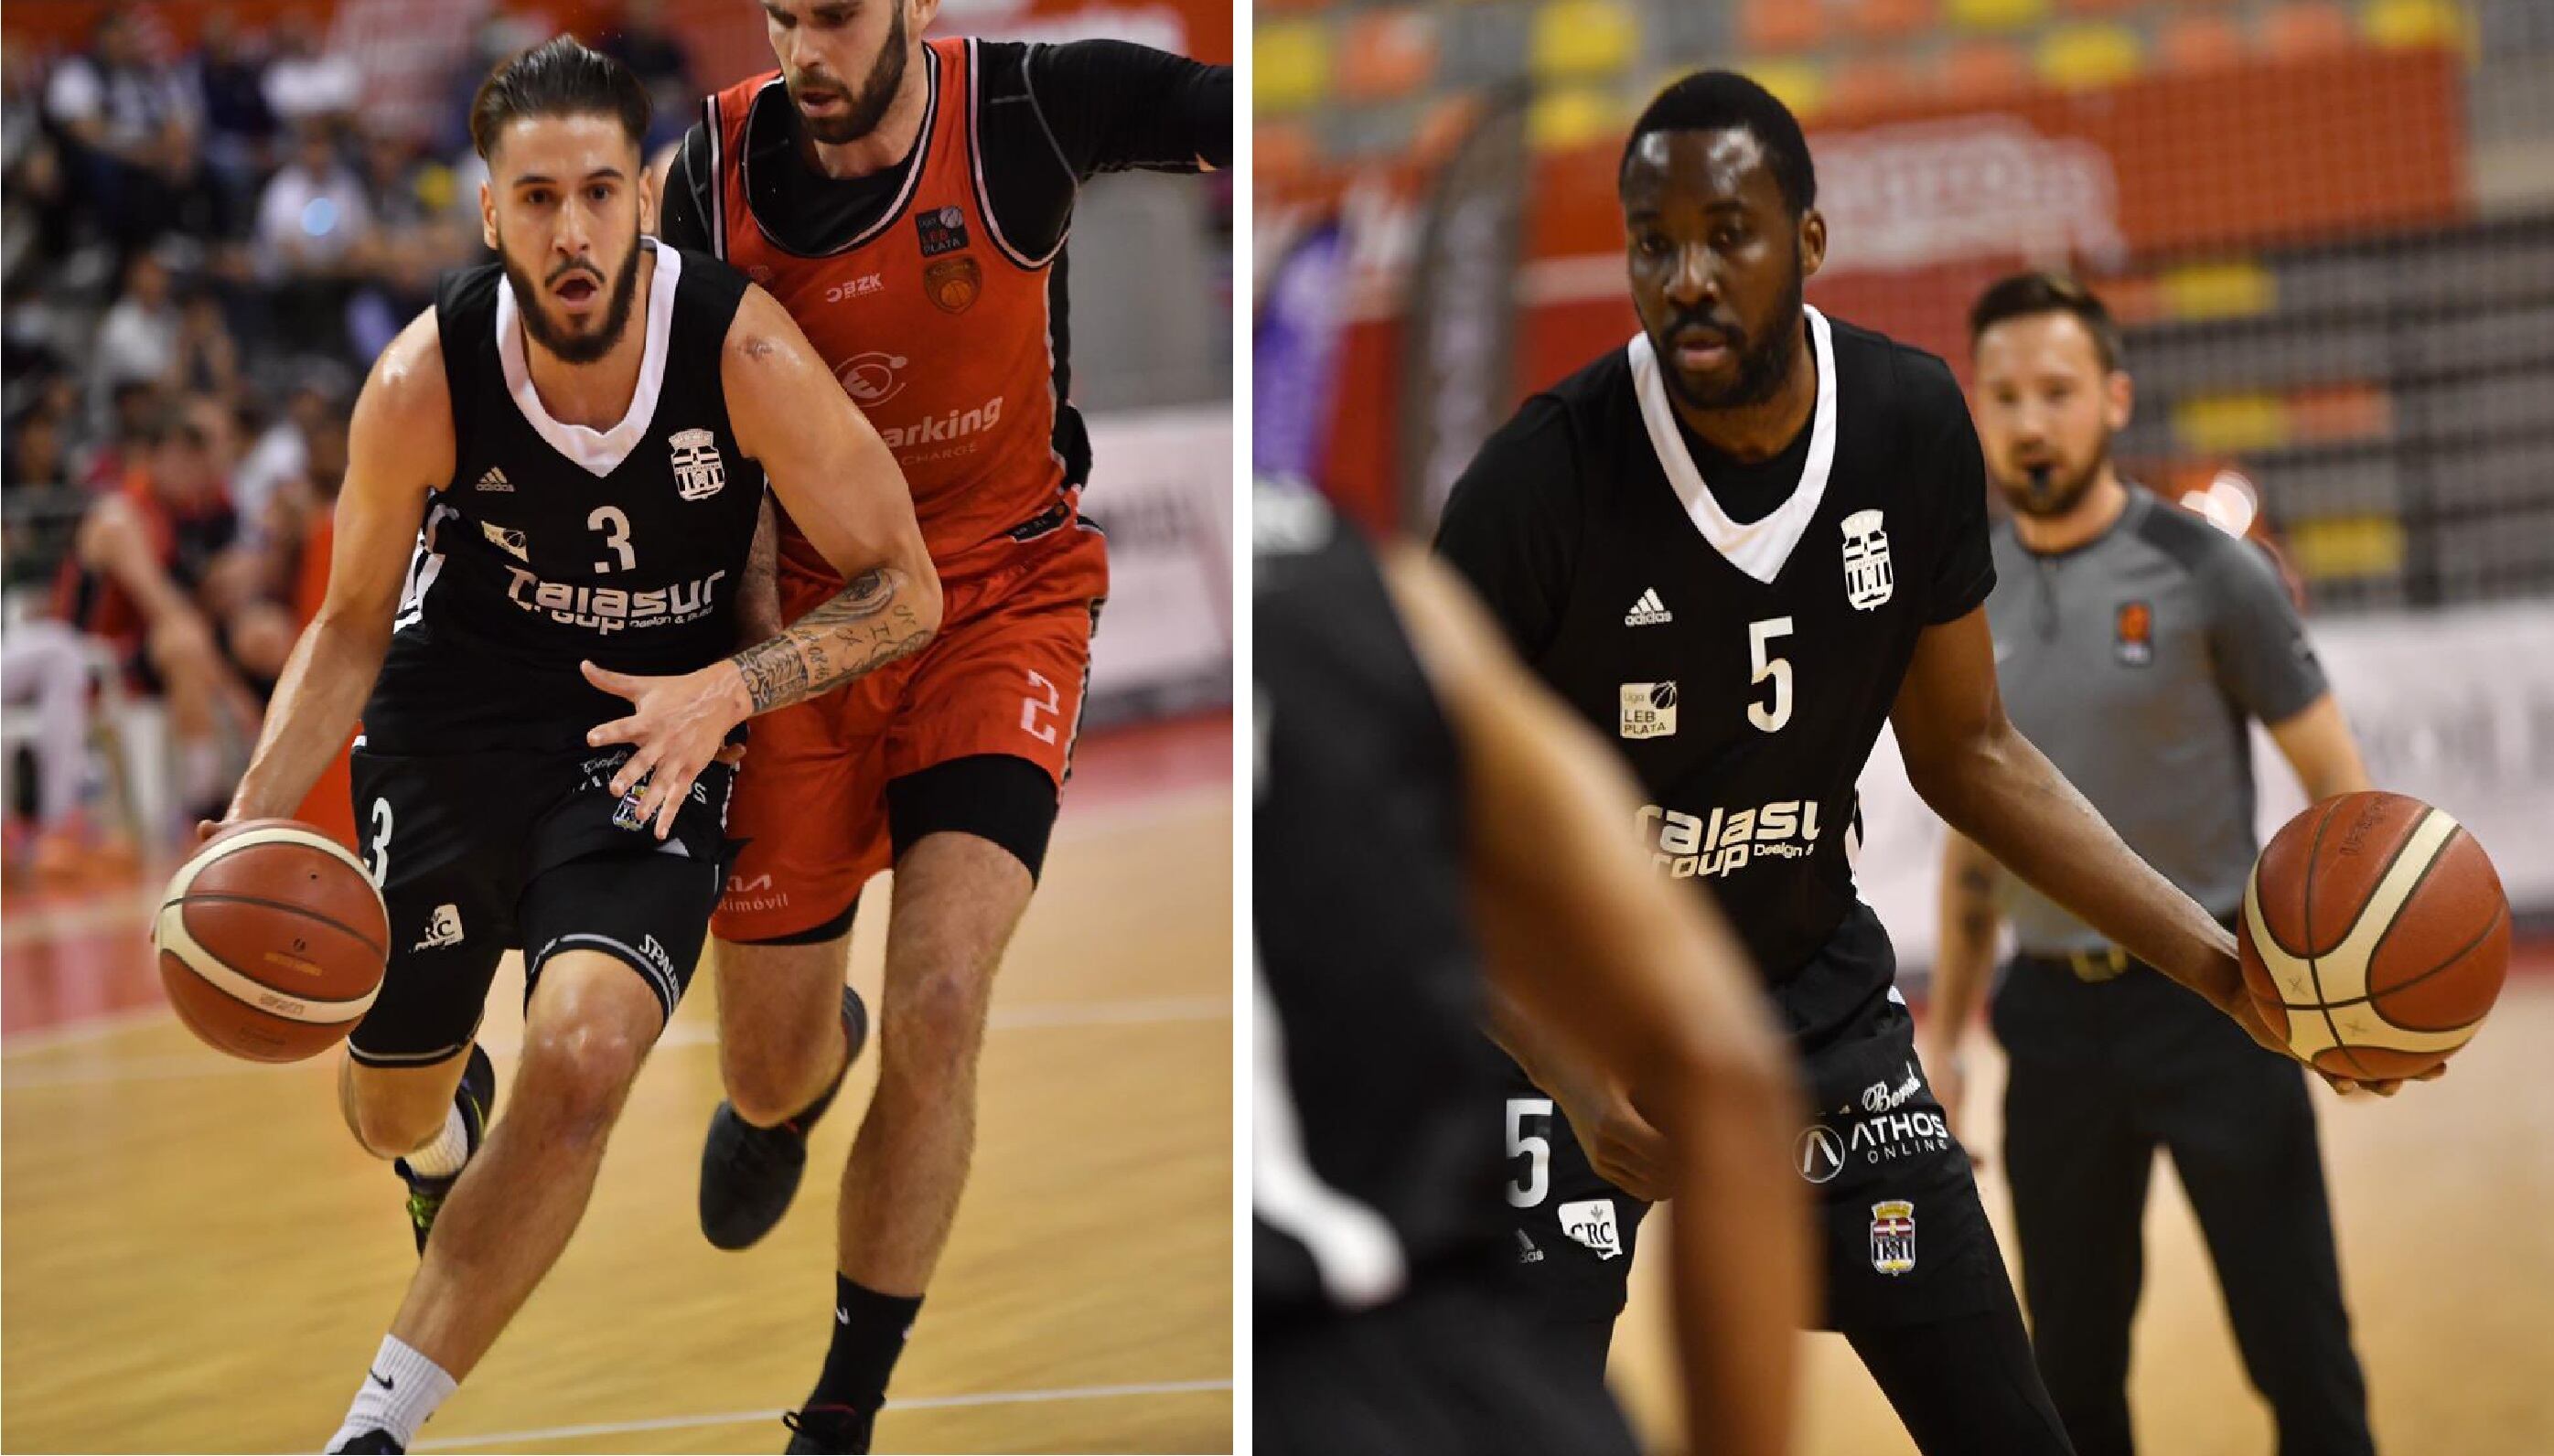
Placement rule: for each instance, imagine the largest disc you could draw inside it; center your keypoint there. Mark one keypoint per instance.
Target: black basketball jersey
(1374, 1165)
(554, 543)
(1744, 668)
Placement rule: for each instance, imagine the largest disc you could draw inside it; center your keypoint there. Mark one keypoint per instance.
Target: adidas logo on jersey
(495, 480)
(1649, 610)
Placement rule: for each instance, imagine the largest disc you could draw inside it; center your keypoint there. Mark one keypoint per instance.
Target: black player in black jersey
(1413, 785)
(1739, 545)
(584, 429)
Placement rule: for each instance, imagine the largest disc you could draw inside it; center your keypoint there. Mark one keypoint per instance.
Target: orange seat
(1782, 24)
(1385, 55)
(1282, 153)
(1984, 70)
(2195, 43)
(1890, 20)
(2307, 27)
(2106, 7)
(1876, 85)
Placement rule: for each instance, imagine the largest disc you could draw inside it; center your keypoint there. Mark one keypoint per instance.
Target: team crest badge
(1868, 579)
(953, 284)
(941, 230)
(699, 472)
(2135, 625)
(1892, 1236)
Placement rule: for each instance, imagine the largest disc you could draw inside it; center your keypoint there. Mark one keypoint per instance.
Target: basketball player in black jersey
(1414, 787)
(1739, 545)
(585, 429)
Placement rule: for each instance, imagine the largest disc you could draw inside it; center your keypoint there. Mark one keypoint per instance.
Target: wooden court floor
(2443, 1198)
(196, 1256)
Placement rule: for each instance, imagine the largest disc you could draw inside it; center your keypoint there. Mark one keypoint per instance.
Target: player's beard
(864, 108)
(532, 302)
(1763, 363)
(2042, 492)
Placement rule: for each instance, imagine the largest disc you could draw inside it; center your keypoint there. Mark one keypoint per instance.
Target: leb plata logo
(954, 283)
(941, 230)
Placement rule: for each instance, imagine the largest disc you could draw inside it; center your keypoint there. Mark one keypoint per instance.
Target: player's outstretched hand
(680, 726)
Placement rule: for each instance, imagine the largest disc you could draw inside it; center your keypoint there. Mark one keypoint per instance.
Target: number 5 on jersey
(1763, 664)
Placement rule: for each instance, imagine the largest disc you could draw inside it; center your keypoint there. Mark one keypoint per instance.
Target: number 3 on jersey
(1763, 664)
(615, 536)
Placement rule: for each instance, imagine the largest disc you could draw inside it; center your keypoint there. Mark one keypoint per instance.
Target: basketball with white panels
(272, 941)
(2375, 934)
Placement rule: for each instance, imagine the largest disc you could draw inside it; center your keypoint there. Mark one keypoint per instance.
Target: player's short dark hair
(1718, 100)
(2028, 295)
(559, 77)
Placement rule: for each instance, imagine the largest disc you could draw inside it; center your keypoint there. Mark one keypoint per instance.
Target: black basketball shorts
(479, 854)
(1904, 1237)
(1446, 1370)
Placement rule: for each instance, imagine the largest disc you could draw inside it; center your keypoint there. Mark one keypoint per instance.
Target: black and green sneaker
(476, 1098)
(749, 1173)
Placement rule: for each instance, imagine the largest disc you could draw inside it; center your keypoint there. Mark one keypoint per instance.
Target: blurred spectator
(306, 83)
(283, 453)
(43, 684)
(37, 454)
(132, 429)
(137, 341)
(239, 125)
(411, 243)
(147, 576)
(33, 224)
(310, 223)
(664, 64)
(130, 124)
(207, 357)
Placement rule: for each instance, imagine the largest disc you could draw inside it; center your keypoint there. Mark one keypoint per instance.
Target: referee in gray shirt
(2134, 642)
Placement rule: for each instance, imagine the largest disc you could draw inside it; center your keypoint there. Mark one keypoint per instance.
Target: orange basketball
(272, 941)
(2375, 934)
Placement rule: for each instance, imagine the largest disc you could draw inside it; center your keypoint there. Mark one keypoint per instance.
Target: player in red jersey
(907, 201)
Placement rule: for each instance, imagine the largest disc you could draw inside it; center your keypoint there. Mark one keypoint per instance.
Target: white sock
(399, 1391)
(443, 1157)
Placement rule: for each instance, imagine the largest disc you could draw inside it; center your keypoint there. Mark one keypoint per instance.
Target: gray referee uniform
(2135, 662)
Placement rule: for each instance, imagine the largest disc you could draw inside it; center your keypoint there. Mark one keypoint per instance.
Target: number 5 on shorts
(1533, 1146)
(1030, 707)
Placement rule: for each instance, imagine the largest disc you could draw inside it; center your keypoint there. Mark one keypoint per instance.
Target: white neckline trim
(1760, 548)
(599, 451)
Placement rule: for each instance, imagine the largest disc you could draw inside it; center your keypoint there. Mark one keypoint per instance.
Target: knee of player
(575, 1077)
(937, 1021)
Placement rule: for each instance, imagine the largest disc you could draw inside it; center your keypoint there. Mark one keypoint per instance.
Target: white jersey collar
(1758, 548)
(599, 451)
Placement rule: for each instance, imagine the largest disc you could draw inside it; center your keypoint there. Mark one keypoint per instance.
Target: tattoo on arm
(861, 629)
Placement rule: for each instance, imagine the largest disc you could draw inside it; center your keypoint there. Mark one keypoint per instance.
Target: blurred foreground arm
(1580, 935)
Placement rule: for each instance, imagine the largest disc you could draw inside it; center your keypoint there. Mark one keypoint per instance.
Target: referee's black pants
(2103, 1074)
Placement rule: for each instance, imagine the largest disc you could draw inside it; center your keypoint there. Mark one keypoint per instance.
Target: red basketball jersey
(937, 327)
